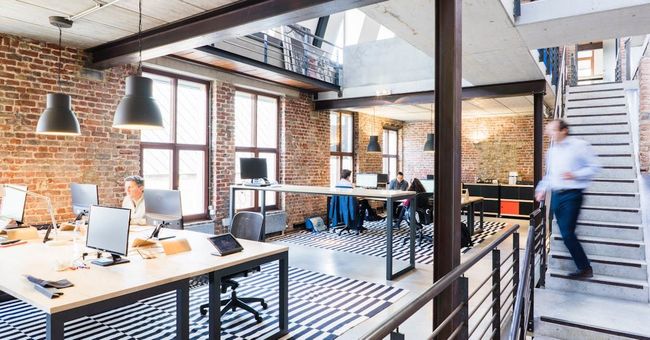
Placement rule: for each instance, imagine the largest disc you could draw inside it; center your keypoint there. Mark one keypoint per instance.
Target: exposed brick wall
(48, 164)
(223, 147)
(363, 127)
(505, 143)
(644, 114)
(304, 156)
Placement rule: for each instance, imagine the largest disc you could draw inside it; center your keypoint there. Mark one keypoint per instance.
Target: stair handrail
(646, 42)
(536, 244)
(560, 88)
(394, 320)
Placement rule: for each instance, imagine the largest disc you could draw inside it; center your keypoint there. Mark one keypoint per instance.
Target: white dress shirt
(137, 210)
(572, 155)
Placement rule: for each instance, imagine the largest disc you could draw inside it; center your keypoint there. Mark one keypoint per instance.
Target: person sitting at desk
(134, 199)
(398, 183)
(422, 201)
(344, 182)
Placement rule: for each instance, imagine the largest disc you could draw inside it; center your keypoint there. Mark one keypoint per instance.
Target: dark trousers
(565, 205)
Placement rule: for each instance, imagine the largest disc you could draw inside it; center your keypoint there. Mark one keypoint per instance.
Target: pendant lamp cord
(432, 125)
(58, 82)
(139, 37)
(373, 121)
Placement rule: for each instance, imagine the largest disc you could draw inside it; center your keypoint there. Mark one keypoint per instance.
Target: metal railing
(560, 87)
(535, 261)
(292, 49)
(503, 282)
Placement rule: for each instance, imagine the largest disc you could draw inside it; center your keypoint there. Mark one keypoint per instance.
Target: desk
(100, 289)
(470, 203)
(372, 194)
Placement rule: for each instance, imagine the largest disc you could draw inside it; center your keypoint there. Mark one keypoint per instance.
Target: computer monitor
(83, 196)
(163, 206)
(367, 180)
(108, 231)
(13, 202)
(428, 184)
(382, 178)
(253, 168)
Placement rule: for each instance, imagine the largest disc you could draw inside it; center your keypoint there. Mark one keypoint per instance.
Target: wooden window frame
(385, 154)
(338, 153)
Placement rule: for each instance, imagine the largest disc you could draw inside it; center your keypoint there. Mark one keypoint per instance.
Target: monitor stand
(156, 232)
(105, 262)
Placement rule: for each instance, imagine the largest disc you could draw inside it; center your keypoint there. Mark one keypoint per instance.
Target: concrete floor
(372, 269)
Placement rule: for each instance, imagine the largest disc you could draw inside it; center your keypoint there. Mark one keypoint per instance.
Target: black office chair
(423, 217)
(345, 214)
(245, 225)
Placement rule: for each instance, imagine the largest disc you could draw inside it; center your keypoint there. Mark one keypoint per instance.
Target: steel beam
(321, 27)
(448, 93)
(522, 88)
(538, 136)
(237, 19)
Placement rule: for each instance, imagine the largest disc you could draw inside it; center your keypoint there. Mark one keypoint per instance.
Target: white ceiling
(471, 108)
(29, 18)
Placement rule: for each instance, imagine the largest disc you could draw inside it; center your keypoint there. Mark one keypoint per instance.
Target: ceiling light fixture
(430, 144)
(57, 118)
(138, 109)
(373, 143)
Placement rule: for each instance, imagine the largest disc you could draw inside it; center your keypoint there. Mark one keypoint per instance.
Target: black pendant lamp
(138, 109)
(373, 144)
(58, 118)
(430, 144)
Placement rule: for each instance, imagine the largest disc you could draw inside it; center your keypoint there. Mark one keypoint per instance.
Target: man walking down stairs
(614, 302)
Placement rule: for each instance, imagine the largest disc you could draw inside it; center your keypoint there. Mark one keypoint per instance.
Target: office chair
(423, 217)
(245, 225)
(345, 214)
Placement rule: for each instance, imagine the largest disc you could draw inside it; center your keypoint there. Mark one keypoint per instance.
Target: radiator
(276, 221)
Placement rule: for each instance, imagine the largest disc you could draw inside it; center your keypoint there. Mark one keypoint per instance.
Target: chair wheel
(264, 305)
(203, 311)
(258, 319)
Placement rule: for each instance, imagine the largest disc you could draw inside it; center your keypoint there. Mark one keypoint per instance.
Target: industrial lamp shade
(138, 109)
(430, 143)
(373, 144)
(58, 118)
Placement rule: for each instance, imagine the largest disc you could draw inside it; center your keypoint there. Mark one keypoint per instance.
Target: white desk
(100, 289)
(383, 195)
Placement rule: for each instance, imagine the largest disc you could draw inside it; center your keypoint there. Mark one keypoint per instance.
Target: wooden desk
(470, 204)
(100, 289)
(372, 194)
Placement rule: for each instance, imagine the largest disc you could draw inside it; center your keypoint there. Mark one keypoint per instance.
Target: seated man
(134, 200)
(398, 183)
(344, 182)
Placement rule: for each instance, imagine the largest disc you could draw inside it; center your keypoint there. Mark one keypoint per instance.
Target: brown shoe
(584, 273)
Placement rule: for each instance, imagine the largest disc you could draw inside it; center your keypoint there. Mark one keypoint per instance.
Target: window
(390, 153)
(256, 135)
(176, 157)
(341, 144)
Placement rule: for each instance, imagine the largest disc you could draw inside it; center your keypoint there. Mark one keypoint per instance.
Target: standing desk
(100, 289)
(372, 194)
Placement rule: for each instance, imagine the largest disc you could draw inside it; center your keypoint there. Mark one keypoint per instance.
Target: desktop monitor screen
(83, 196)
(428, 184)
(367, 180)
(163, 206)
(382, 178)
(13, 202)
(253, 168)
(108, 229)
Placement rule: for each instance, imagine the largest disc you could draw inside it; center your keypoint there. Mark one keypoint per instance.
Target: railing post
(496, 294)
(515, 267)
(544, 262)
(463, 287)
(266, 48)
(531, 311)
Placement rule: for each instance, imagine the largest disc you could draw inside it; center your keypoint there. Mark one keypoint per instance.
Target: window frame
(175, 147)
(384, 151)
(339, 133)
(255, 150)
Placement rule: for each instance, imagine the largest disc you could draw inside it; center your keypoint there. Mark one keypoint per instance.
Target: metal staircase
(610, 230)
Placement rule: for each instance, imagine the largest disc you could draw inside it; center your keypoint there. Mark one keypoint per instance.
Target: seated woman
(422, 201)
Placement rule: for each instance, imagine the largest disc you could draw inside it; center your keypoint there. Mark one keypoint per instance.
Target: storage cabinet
(504, 200)
(490, 193)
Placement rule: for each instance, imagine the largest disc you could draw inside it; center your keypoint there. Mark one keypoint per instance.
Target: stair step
(600, 128)
(571, 315)
(607, 93)
(600, 285)
(602, 265)
(605, 138)
(612, 199)
(613, 184)
(608, 149)
(610, 230)
(616, 101)
(616, 118)
(628, 249)
(597, 111)
(611, 214)
(613, 159)
(595, 87)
